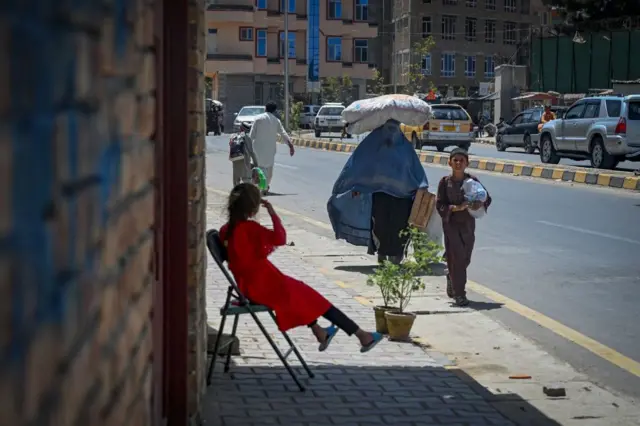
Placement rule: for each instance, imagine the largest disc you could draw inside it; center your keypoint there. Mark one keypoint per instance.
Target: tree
(295, 116)
(415, 76)
(336, 89)
(594, 15)
(346, 89)
(462, 92)
(377, 85)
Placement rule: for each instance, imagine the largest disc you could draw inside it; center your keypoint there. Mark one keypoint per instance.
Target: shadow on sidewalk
(437, 270)
(364, 395)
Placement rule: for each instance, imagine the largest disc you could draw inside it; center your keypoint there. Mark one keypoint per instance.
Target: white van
(329, 119)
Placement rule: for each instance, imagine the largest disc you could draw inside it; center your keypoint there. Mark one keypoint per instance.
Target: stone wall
(197, 207)
(76, 219)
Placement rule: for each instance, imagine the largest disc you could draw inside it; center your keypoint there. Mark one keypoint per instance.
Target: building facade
(471, 37)
(246, 48)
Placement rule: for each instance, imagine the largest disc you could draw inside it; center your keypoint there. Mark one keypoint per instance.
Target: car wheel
(548, 154)
(500, 146)
(600, 158)
(529, 148)
(440, 148)
(465, 146)
(317, 133)
(416, 142)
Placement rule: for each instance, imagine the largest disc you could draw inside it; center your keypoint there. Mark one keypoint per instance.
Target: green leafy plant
(397, 283)
(376, 85)
(415, 78)
(462, 92)
(425, 252)
(384, 278)
(295, 116)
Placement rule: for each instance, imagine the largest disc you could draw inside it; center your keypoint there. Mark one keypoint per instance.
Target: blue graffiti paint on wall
(43, 290)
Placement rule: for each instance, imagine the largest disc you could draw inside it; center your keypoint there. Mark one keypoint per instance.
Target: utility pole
(286, 65)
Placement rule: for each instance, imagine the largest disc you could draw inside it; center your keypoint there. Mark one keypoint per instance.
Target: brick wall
(197, 208)
(76, 164)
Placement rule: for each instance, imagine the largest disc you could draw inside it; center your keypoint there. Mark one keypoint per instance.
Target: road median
(609, 179)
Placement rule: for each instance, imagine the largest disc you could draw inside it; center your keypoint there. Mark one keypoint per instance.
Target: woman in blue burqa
(371, 201)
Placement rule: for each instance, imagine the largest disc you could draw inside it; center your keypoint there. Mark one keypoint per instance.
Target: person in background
(458, 225)
(547, 116)
(295, 303)
(242, 168)
(264, 135)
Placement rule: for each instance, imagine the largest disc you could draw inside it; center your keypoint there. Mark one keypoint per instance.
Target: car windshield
(449, 113)
(250, 111)
(634, 110)
(331, 111)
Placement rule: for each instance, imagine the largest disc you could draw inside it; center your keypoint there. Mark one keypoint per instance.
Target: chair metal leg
(233, 336)
(295, 350)
(216, 347)
(277, 351)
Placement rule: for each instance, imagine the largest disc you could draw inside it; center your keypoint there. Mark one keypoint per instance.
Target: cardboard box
(422, 209)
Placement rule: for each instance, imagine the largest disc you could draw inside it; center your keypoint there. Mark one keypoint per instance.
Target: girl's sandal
(331, 332)
(377, 338)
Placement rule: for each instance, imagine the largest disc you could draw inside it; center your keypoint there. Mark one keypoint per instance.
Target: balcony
(224, 11)
(229, 63)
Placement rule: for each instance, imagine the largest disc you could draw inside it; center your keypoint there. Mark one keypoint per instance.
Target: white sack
(434, 228)
(368, 114)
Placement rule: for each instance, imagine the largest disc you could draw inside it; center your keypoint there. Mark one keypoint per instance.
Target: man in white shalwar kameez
(264, 134)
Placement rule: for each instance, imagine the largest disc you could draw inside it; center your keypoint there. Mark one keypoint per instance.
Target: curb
(565, 174)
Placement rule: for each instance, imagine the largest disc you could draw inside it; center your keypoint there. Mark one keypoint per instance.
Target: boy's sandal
(331, 332)
(377, 338)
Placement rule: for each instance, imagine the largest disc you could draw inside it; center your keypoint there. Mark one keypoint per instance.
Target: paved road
(569, 252)
(490, 151)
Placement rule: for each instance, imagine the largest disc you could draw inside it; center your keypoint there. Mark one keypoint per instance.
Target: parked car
(308, 116)
(450, 125)
(247, 115)
(329, 119)
(602, 129)
(521, 131)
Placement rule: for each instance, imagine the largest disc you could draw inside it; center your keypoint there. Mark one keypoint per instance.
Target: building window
(246, 34)
(261, 43)
(291, 3)
(334, 49)
(471, 3)
(334, 9)
(510, 5)
(361, 50)
(292, 44)
(426, 26)
(261, 4)
(450, 2)
(470, 66)
(448, 27)
(426, 64)
(448, 65)
(470, 29)
(490, 4)
(362, 10)
(490, 31)
(489, 67)
(212, 41)
(510, 33)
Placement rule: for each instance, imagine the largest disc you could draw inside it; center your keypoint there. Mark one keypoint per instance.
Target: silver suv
(603, 129)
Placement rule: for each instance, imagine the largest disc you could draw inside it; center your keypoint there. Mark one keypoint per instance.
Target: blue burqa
(384, 161)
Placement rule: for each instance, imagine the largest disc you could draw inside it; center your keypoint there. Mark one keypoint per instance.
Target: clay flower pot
(399, 324)
(381, 320)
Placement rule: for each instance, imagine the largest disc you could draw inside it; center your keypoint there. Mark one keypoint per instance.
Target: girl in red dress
(295, 303)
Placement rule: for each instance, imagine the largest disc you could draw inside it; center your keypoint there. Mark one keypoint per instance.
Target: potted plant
(383, 278)
(404, 283)
(425, 252)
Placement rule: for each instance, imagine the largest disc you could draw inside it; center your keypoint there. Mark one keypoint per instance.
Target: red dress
(294, 302)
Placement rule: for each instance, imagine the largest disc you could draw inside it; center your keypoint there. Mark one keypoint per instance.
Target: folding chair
(236, 304)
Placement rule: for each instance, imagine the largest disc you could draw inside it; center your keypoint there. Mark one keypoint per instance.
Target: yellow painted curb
(513, 168)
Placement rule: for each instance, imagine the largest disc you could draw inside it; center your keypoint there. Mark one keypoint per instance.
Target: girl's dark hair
(244, 202)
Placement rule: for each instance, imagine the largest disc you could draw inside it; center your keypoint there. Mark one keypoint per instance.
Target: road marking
(595, 347)
(589, 232)
(608, 354)
(286, 166)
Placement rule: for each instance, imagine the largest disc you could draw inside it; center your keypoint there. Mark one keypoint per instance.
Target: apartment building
(471, 38)
(246, 47)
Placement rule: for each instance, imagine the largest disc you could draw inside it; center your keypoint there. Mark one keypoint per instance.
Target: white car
(329, 119)
(247, 115)
(308, 115)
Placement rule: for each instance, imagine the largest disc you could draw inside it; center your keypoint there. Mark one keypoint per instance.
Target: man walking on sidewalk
(264, 134)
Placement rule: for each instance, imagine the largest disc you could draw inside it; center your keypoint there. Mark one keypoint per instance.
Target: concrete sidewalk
(426, 382)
